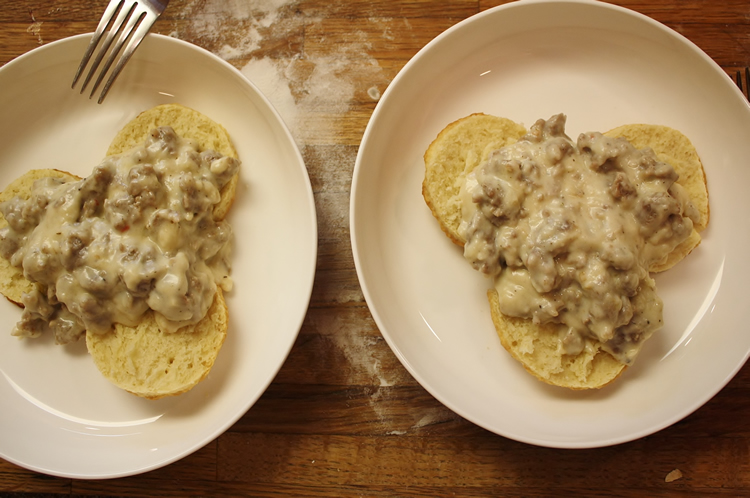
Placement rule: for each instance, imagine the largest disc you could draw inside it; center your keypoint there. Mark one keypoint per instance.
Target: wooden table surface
(343, 417)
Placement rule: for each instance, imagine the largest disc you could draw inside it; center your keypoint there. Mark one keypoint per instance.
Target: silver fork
(132, 19)
(742, 78)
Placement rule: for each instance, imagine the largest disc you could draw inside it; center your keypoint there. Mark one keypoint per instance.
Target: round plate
(59, 415)
(603, 66)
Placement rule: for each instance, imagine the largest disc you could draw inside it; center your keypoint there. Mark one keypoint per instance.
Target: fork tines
(131, 20)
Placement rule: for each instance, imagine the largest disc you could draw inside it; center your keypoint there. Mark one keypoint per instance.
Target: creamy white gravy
(137, 234)
(568, 231)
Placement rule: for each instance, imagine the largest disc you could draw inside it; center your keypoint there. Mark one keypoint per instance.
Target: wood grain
(344, 417)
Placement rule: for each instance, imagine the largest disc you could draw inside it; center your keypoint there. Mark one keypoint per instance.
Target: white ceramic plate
(57, 413)
(603, 66)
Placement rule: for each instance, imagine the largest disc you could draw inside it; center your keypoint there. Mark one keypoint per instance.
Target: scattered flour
(309, 92)
(313, 93)
(35, 28)
(271, 79)
(358, 351)
(217, 21)
(361, 352)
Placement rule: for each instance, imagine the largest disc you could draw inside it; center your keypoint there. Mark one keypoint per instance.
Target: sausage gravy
(568, 231)
(137, 234)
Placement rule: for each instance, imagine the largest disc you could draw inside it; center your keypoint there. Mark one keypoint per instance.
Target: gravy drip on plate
(569, 230)
(137, 234)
